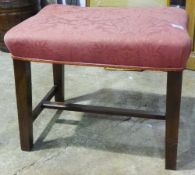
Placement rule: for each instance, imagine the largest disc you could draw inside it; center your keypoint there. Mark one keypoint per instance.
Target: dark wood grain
(174, 86)
(26, 116)
(58, 77)
(12, 13)
(22, 72)
(104, 110)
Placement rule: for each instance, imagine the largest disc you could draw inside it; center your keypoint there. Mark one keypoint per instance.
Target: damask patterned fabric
(147, 38)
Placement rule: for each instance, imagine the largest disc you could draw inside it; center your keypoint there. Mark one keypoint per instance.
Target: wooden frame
(27, 115)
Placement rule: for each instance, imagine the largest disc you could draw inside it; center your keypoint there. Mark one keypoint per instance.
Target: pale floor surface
(71, 143)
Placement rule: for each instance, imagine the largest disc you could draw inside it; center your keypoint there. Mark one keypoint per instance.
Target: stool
(130, 38)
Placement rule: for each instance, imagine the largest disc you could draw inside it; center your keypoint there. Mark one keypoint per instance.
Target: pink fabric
(138, 37)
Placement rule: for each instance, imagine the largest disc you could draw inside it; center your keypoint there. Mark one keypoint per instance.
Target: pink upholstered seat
(154, 38)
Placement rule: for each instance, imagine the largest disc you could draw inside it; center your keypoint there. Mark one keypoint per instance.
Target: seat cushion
(145, 38)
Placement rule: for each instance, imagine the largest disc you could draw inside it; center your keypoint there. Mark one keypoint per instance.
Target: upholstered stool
(130, 38)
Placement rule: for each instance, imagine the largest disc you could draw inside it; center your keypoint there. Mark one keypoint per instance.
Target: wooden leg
(58, 76)
(22, 72)
(174, 86)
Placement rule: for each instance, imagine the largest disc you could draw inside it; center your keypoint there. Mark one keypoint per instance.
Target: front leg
(22, 71)
(174, 86)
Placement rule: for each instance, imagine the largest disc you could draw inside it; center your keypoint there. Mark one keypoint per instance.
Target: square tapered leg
(174, 86)
(22, 71)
